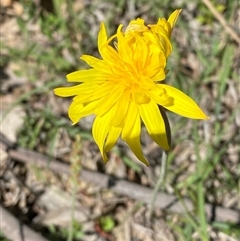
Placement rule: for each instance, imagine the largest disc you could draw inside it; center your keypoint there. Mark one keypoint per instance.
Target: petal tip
(147, 164)
(58, 91)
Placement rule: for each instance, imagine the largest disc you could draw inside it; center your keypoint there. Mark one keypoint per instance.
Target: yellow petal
(154, 123)
(159, 95)
(173, 17)
(100, 131)
(145, 82)
(131, 131)
(98, 64)
(152, 38)
(133, 140)
(106, 51)
(183, 104)
(76, 111)
(159, 76)
(136, 26)
(140, 54)
(112, 137)
(75, 90)
(160, 40)
(164, 43)
(110, 55)
(73, 112)
(162, 26)
(102, 90)
(124, 50)
(86, 75)
(82, 99)
(121, 108)
(130, 119)
(155, 67)
(105, 104)
(102, 36)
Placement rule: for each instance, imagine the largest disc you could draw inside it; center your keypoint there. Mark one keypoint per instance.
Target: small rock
(12, 122)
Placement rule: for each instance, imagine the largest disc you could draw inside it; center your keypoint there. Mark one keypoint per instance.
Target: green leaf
(107, 223)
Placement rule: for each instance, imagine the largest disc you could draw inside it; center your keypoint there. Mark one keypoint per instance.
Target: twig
(123, 187)
(222, 21)
(14, 230)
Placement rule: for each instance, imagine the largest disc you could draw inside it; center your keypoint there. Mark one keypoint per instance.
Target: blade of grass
(75, 170)
(224, 74)
(159, 183)
(200, 188)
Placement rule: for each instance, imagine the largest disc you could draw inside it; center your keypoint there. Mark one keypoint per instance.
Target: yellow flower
(124, 87)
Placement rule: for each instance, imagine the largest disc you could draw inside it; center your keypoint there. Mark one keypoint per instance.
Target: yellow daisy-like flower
(124, 87)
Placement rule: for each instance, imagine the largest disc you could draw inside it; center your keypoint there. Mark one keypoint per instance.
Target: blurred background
(41, 42)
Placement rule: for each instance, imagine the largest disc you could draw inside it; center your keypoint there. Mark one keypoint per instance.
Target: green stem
(73, 203)
(75, 168)
(158, 184)
(200, 191)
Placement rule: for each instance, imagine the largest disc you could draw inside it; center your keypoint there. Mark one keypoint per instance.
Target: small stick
(135, 191)
(15, 230)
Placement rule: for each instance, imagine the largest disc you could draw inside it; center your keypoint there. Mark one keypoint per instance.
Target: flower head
(124, 87)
